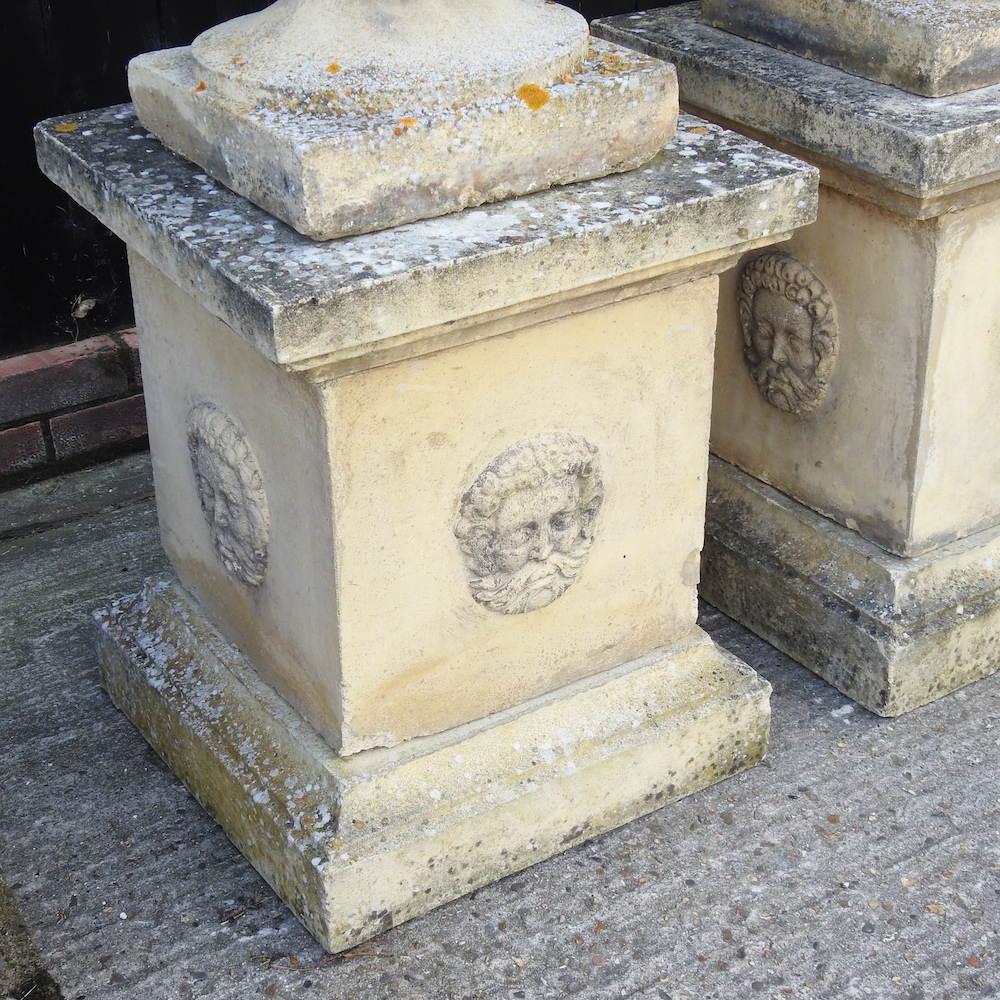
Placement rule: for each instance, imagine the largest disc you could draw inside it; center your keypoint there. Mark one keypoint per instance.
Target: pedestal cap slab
(912, 154)
(343, 117)
(933, 48)
(299, 303)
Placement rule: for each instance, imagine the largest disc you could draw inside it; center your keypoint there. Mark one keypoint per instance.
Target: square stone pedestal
(857, 370)
(443, 488)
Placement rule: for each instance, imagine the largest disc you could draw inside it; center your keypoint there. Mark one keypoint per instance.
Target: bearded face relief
(526, 524)
(789, 331)
(231, 492)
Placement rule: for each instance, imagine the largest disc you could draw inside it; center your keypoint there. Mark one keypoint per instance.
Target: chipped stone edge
(356, 845)
(892, 633)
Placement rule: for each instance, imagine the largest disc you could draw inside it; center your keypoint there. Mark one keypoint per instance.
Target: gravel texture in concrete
(860, 860)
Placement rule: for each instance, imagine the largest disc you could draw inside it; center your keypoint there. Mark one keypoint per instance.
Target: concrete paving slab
(861, 860)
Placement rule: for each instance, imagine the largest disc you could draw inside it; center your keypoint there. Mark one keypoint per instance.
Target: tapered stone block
(856, 369)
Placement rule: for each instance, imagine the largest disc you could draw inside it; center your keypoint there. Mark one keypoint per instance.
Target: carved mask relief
(526, 523)
(789, 331)
(231, 491)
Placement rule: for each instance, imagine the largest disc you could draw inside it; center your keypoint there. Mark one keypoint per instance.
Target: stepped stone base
(892, 633)
(357, 845)
(367, 172)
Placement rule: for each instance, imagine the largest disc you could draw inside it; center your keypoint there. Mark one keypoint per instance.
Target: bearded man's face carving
(781, 341)
(789, 331)
(527, 523)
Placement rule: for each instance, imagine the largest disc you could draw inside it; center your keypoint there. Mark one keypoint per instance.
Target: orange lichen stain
(612, 58)
(237, 59)
(201, 86)
(398, 131)
(699, 130)
(333, 68)
(408, 122)
(458, 112)
(569, 79)
(67, 127)
(533, 95)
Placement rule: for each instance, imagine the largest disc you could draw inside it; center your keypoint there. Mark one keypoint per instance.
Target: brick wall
(68, 406)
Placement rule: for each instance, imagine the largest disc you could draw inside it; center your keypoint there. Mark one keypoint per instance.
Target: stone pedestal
(857, 371)
(434, 495)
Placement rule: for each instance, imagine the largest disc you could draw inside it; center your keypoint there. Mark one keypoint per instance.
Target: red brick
(131, 340)
(97, 426)
(48, 381)
(22, 448)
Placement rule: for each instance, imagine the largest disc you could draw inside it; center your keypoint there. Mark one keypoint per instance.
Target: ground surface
(862, 859)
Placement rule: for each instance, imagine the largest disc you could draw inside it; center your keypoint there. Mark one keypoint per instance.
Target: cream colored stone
(358, 845)
(342, 117)
(893, 633)
(900, 448)
(382, 639)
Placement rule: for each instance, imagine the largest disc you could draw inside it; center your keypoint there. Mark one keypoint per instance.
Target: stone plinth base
(357, 845)
(892, 633)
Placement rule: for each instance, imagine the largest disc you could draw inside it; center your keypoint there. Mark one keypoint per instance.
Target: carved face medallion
(231, 491)
(789, 331)
(526, 523)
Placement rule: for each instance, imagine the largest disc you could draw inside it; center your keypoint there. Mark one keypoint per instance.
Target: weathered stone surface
(296, 300)
(357, 846)
(390, 56)
(900, 449)
(420, 114)
(891, 633)
(900, 142)
(933, 48)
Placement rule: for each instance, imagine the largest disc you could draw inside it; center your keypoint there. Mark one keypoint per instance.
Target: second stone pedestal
(857, 369)
(435, 494)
